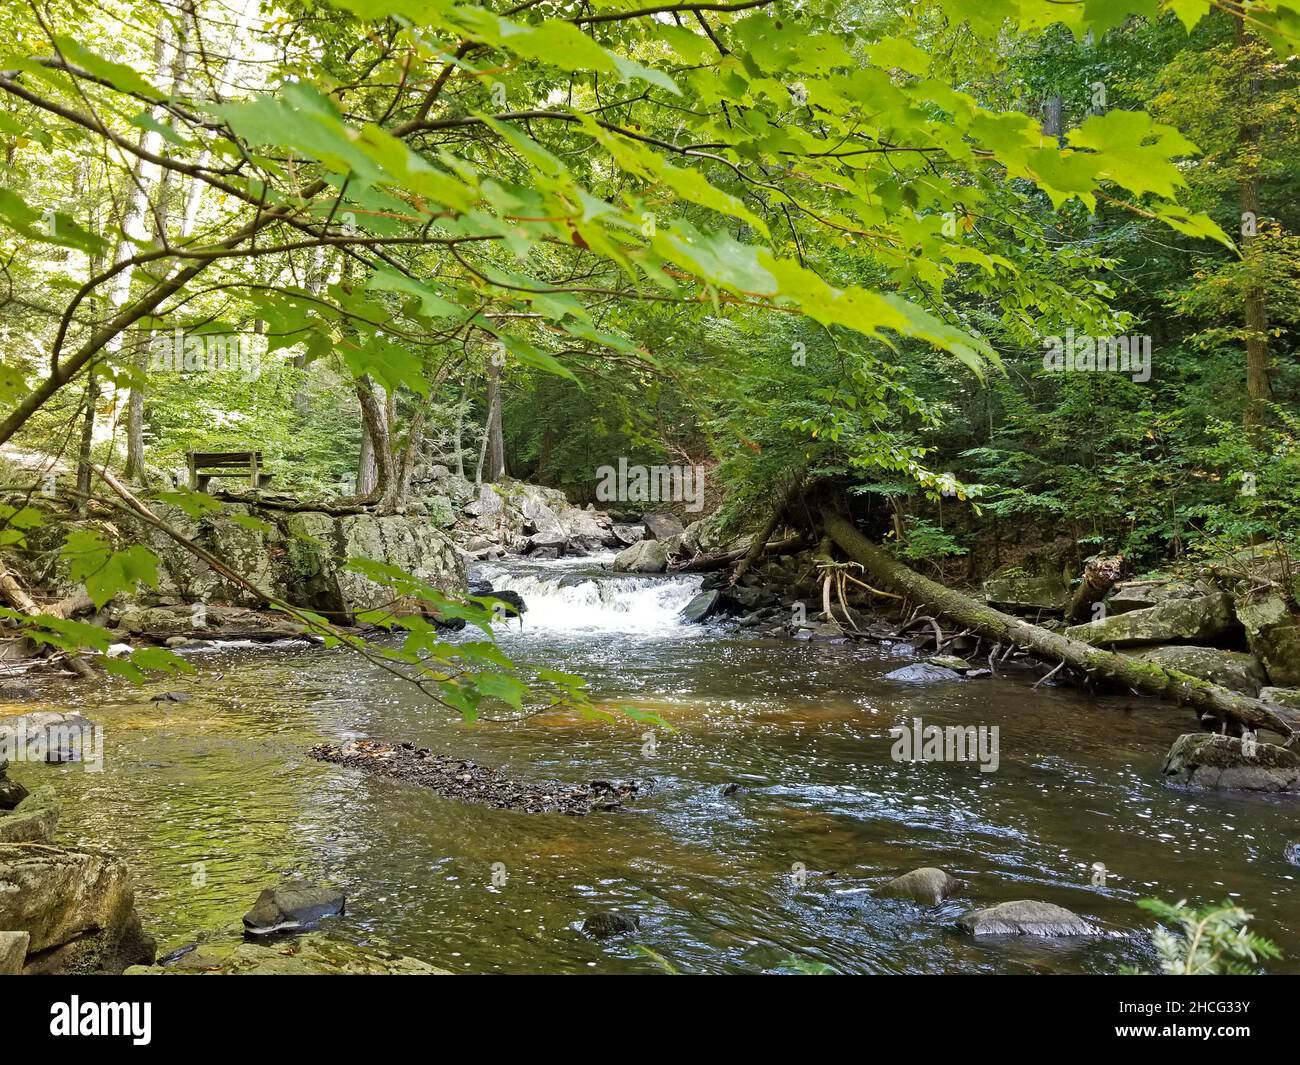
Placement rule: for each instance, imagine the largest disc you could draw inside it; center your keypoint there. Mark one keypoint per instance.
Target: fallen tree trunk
(17, 595)
(1143, 677)
(760, 541)
(701, 563)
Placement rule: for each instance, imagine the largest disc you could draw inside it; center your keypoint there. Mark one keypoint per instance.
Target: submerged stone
(928, 885)
(922, 673)
(609, 923)
(1025, 918)
(292, 907)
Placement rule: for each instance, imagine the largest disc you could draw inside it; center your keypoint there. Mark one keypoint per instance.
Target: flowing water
(215, 798)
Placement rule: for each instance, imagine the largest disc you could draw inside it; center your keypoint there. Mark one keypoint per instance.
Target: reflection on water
(215, 798)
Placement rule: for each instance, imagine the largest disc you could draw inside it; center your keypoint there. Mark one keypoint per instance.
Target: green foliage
(1210, 941)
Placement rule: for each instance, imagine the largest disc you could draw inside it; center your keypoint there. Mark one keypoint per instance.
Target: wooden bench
(205, 465)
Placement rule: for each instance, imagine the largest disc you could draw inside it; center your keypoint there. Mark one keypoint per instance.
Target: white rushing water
(575, 595)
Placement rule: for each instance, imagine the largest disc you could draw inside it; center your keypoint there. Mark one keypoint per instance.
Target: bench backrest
(224, 458)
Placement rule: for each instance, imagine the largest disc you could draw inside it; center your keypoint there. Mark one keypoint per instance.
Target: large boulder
(1273, 632)
(627, 535)
(11, 792)
(648, 556)
(33, 820)
(1025, 917)
(1128, 596)
(415, 547)
(76, 906)
(52, 736)
(1289, 698)
(1253, 566)
(586, 529)
(1196, 620)
(702, 607)
(662, 526)
(928, 885)
(1229, 669)
(212, 622)
(1026, 593)
(13, 952)
(1211, 762)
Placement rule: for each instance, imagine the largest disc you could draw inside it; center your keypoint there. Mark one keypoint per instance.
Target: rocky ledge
(464, 781)
(62, 909)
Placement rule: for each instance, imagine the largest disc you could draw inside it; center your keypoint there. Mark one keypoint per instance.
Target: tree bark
(374, 418)
(496, 450)
(151, 141)
(1259, 371)
(992, 624)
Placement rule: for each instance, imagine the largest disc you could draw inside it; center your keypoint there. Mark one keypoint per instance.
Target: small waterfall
(575, 595)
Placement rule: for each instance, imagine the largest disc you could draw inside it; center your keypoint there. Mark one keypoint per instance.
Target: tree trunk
(1259, 372)
(87, 438)
(169, 54)
(496, 450)
(992, 624)
(457, 441)
(376, 460)
(760, 541)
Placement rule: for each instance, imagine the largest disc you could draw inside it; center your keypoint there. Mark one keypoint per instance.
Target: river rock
(648, 556)
(1210, 762)
(1293, 853)
(165, 624)
(928, 885)
(33, 820)
(312, 954)
(922, 673)
(292, 907)
(13, 952)
(702, 607)
(1173, 621)
(77, 908)
(608, 923)
(1128, 596)
(1025, 918)
(1024, 593)
(1251, 567)
(952, 662)
(11, 792)
(1273, 632)
(1285, 697)
(627, 535)
(1228, 669)
(51, 736)
(662, 526)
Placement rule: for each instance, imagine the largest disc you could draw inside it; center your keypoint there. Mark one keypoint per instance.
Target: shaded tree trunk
(1259, 371)
(494, 440)
(374, 417)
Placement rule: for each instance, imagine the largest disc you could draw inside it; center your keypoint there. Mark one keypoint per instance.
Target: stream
(212, 799)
